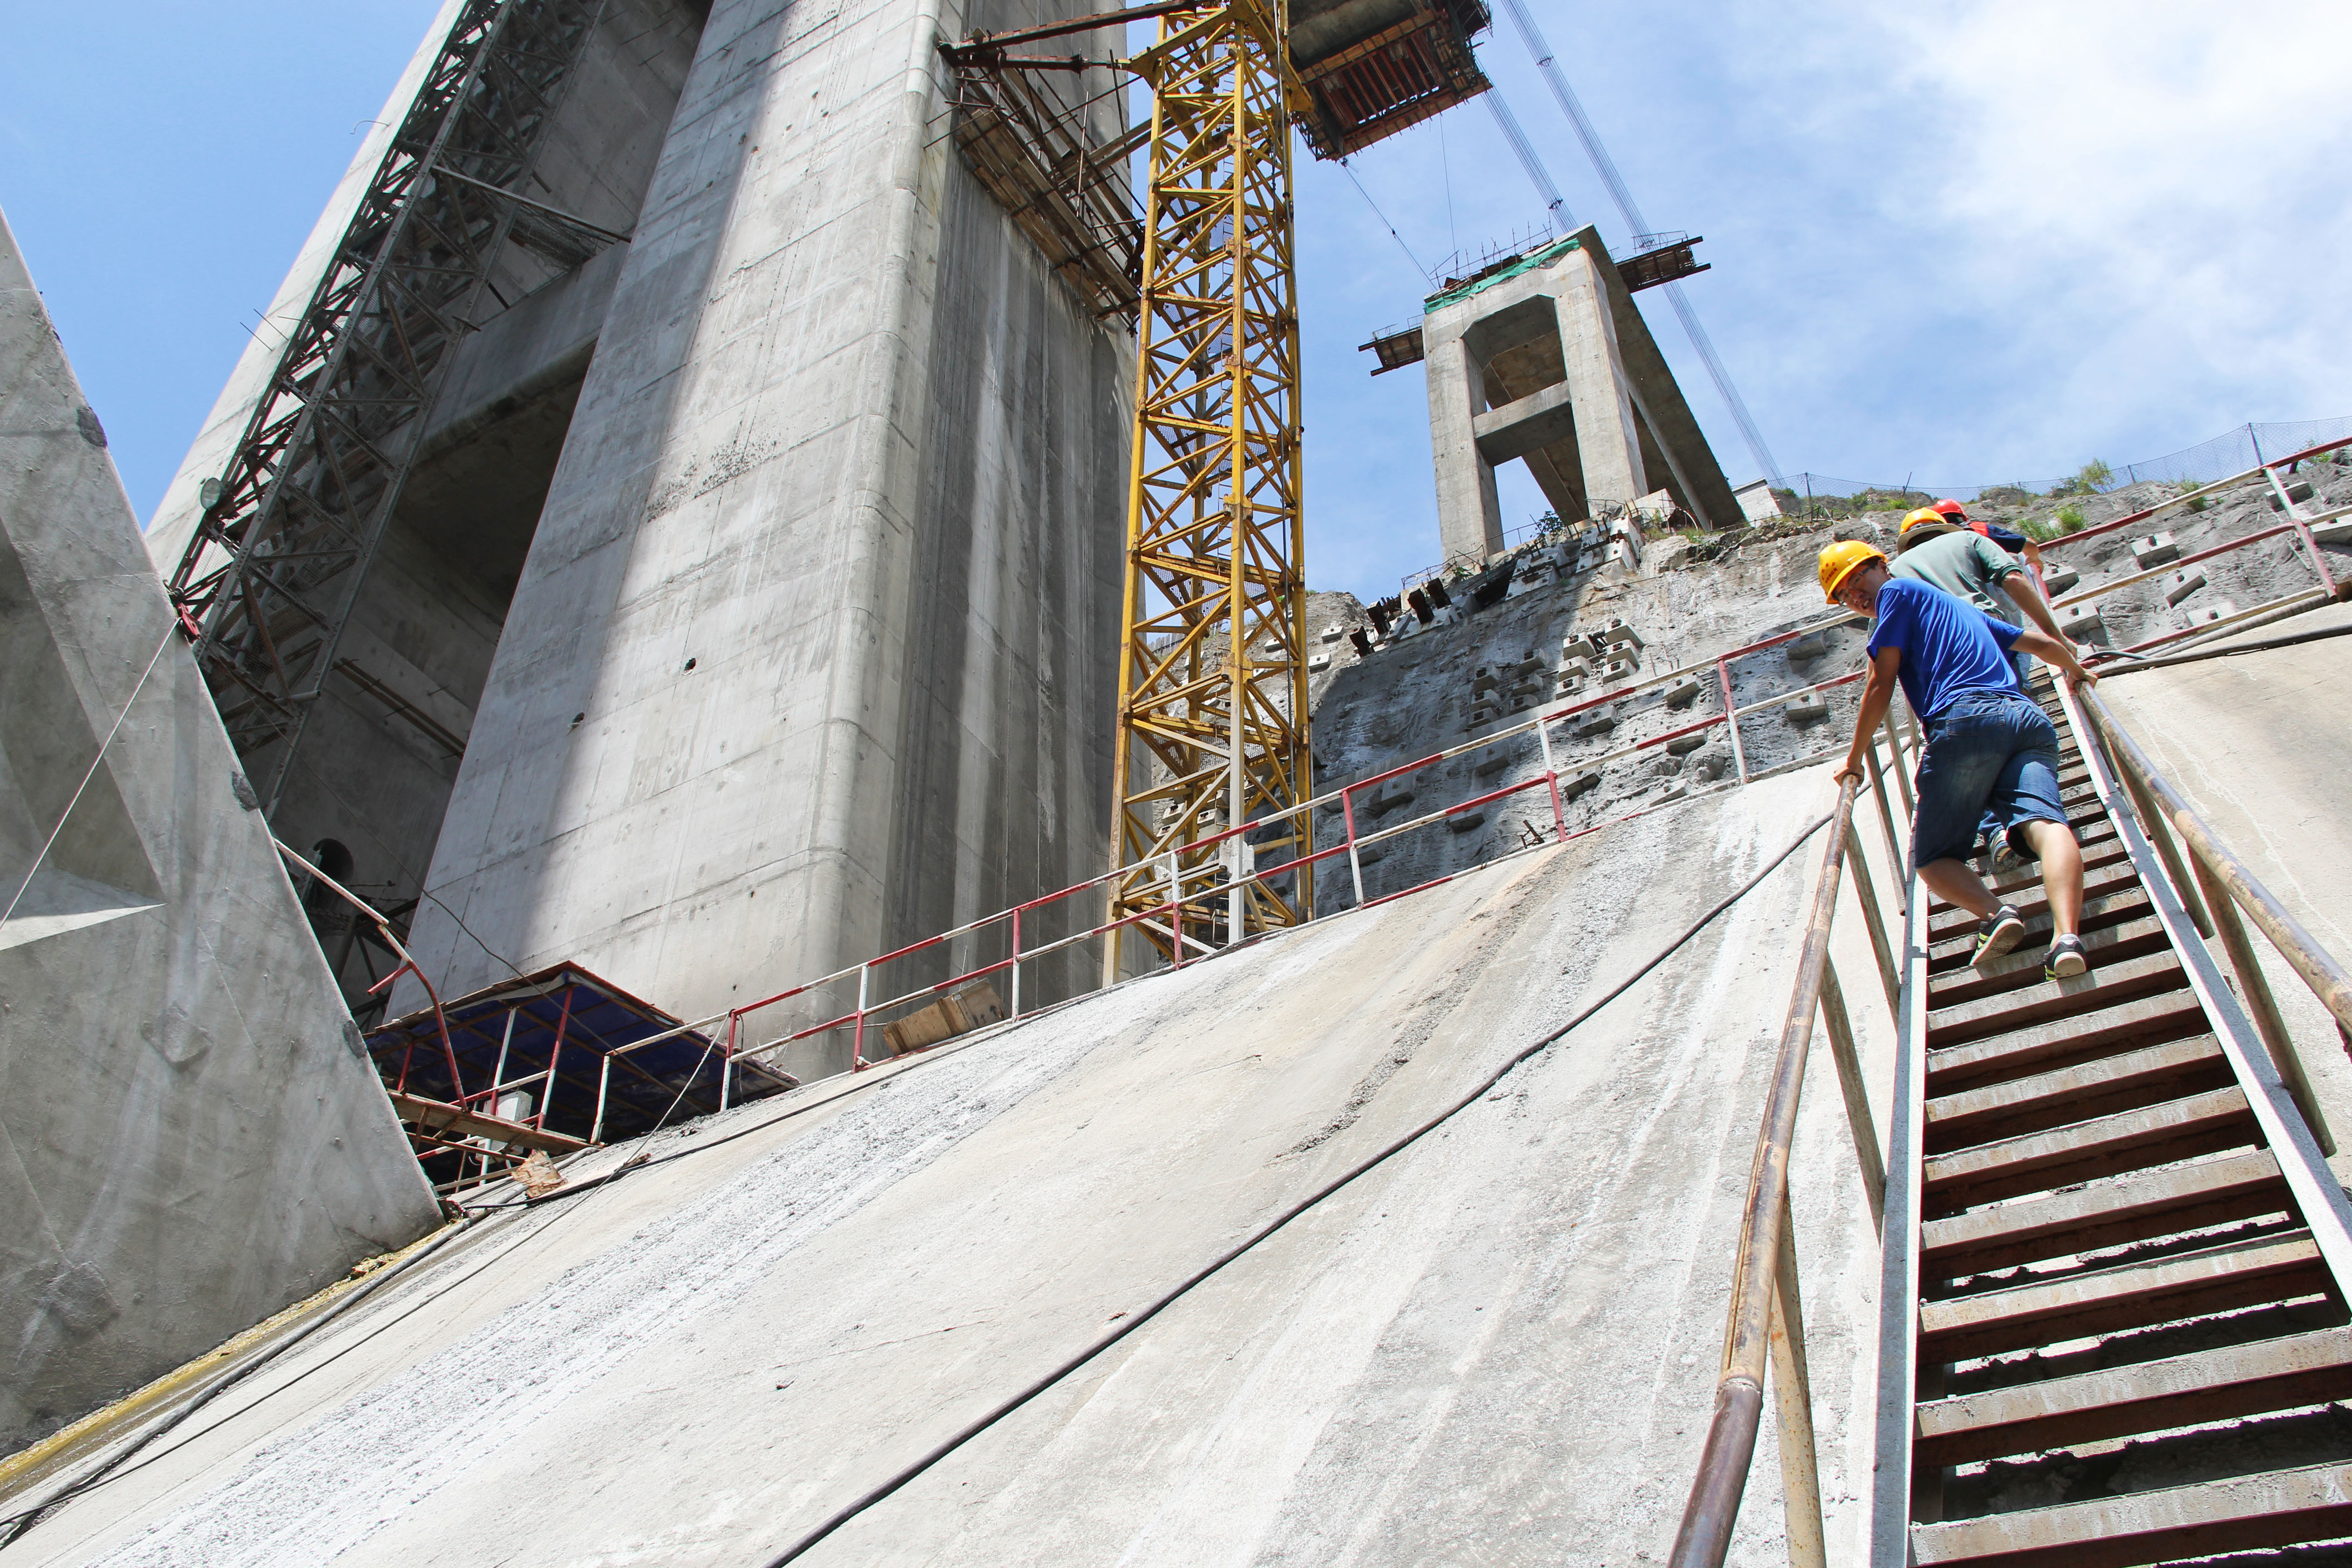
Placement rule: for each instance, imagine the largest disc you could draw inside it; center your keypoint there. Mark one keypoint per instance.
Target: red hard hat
(1952, 510)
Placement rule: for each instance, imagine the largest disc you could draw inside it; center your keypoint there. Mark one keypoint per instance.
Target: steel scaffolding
(1213, 666)
(267, 582)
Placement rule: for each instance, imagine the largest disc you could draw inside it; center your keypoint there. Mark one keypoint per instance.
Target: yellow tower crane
(1212, 757)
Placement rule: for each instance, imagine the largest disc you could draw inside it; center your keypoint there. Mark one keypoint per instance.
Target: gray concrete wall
(2262, 745)
(427, 621)
(812, 650)
(1497, 1348)
(189, 1139)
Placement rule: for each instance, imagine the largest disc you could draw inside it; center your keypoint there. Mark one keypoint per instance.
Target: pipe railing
(2228, 887)
(1764, 1325)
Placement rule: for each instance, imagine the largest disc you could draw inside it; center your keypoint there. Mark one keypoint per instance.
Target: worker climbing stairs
(2115, 1257)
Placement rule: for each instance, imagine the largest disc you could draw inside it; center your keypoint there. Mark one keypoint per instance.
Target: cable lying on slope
(893, 1483)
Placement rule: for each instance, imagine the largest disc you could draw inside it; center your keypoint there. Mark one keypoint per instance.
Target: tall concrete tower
(749, 602)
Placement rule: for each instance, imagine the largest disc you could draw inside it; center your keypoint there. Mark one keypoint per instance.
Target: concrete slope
(1498, 1347)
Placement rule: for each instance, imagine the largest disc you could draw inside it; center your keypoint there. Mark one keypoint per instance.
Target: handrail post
(1866, 892)
(1896, 845)
(1355, 866)
(1731, 717)
(1792, 1399)
(1856, 1090)
(1551, 781)
(2256, 990)
(1015, 1012)
(1895, 751)
(1713, 1506)
(2159, 833)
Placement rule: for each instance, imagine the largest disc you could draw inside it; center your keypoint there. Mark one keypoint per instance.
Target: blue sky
(1966, 243)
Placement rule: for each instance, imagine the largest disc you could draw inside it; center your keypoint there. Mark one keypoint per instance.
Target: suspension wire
(1606, 167)
(1409, 256)
(891, 1485)
(1562, 220)
(89, 774)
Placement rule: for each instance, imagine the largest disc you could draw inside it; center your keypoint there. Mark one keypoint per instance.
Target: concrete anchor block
(1811, 708)
(2205, 615)
(2154, 550)
(1668, 765)
(2297, 491)
(1387, 797)
(1598, 722)
(2082, 623)
(1334, 632)
(1674, 791)
(1683, 692)
(1523, 700)
(1462, 822)
(1579, 667)
(1615, 632)
(1570, 685)
(2058, 578)
(1482, 677)
(1581, 645)
(1319, 661)
(1617, 669)
(1807, 648)
(1493, 760)
(1484, 714)
(2178, 585)
(1582, 784)
(1683, 745)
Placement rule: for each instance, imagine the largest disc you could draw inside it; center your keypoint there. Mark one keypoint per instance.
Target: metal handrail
(2228, 885)
(1765, 1320)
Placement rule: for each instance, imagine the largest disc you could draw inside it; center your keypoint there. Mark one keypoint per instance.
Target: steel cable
(900, 1479)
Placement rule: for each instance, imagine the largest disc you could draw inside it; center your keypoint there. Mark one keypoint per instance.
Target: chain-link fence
(2232, 452)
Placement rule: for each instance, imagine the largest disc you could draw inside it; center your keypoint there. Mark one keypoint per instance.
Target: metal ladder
(2114, 1299)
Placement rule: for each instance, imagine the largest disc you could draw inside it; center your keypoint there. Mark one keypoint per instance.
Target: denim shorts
(1992, 762)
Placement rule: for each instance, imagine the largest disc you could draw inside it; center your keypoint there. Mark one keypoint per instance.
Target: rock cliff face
(1688, 601)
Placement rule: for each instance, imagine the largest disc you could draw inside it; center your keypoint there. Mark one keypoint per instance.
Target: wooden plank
(2278, 1509)
(2104, 1146)
(2077, 1093)
(437, 1116)
(2021, 969)
(2104, 906)
(2105, 1214)
(2149, 1020)
(2117, 876)
(2135, 1295)
(2106, 984)
(2149, 1396)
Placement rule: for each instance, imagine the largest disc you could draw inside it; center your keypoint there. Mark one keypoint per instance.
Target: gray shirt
(1966, 563)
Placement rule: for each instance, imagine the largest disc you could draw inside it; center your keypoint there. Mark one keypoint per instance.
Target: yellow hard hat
(1924, 514)
(1839, 561)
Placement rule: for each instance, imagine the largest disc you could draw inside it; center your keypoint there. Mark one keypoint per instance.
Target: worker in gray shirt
(1963, 563)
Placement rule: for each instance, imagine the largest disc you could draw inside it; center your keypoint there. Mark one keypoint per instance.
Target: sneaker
(1996, 933)
(2065, 959)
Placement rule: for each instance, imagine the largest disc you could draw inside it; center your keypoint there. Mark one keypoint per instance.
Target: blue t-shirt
(1949, 644)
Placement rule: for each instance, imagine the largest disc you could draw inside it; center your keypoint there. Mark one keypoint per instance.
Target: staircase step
(2150, 1396)
(2135, 1295)
(2100, 846)
(2118, 876)
(2039, 1047)
(2278, 1509)
(2105, 985)
(2077, 1093)
(2128, 931)
(2113, 1213)
(2104, 1146)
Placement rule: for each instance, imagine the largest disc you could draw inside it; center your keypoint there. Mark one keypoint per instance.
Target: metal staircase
(2116, 1260)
